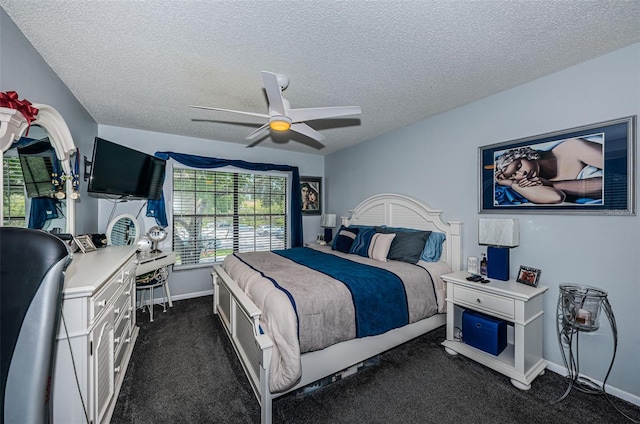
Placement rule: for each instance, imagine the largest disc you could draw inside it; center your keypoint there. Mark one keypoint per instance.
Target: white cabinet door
(102, 372)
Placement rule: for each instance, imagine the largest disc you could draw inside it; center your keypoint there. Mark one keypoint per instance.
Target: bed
(260, 348)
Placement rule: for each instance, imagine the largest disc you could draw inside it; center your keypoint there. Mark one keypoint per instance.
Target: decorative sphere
(144, 244)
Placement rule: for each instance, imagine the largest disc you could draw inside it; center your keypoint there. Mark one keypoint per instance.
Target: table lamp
(328, 221)
(499, 235)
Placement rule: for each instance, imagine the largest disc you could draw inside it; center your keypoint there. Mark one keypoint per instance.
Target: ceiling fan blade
(263, 130)
(305, 129)
(310, 114)
(261, 115)
(274, 94)
(255, 143)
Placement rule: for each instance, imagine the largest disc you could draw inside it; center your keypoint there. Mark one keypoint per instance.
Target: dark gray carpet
(184, 370)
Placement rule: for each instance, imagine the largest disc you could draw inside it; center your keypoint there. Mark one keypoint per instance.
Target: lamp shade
(328, 220)
(499, 232)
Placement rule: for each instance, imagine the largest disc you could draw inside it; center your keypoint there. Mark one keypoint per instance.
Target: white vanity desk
(152, 261)
(99, 311)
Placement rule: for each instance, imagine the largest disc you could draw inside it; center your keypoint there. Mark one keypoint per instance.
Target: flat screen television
(121, 172)
(36, 162)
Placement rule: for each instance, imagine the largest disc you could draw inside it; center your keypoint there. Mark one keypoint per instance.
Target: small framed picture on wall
(311, 194)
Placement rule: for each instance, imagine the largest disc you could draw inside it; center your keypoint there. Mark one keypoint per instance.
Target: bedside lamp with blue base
(328, 221)
(499, 235)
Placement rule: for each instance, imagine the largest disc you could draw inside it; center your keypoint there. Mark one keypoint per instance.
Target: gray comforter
(325, 311)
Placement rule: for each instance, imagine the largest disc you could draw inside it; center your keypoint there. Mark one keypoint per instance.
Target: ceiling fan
(281, 117)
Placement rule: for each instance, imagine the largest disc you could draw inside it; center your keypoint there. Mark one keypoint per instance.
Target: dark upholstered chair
(32, 264)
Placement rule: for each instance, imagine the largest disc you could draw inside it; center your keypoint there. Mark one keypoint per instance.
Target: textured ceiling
(140, 64)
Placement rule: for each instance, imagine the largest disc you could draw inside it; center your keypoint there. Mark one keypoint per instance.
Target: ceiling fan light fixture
(282, 118)
(280, 123)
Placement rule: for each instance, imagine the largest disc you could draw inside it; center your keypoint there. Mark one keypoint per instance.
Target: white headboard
(396, 210)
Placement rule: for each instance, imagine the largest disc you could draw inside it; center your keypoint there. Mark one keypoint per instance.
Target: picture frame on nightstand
(84, 243)
(529, 276)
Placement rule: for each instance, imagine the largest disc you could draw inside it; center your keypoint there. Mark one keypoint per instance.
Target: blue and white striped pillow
(360, 245)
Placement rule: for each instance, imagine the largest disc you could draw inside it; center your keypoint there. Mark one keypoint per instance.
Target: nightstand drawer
(484, 302)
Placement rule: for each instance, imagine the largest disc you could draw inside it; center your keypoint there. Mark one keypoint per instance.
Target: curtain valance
(157, 208)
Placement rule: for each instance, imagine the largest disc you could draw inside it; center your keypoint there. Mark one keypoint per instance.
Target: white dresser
(99, 312)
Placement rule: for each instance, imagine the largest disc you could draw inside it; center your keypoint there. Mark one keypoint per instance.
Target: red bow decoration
(10, 100)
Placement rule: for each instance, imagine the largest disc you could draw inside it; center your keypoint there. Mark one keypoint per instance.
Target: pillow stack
(387, 243)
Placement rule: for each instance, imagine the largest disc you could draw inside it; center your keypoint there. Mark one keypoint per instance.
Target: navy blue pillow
(345, 239)
(334, 242)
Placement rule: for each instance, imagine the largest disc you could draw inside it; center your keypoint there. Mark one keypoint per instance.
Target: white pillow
(380, 245)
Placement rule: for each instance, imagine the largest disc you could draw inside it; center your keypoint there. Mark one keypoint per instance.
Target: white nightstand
(518, 304)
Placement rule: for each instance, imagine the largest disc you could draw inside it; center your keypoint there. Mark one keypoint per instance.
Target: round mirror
(123, 230)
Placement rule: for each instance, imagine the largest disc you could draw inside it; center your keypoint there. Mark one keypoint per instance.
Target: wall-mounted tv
(119, 171)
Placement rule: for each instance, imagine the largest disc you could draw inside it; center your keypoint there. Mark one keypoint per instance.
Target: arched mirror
(123, 230)
(48, 151)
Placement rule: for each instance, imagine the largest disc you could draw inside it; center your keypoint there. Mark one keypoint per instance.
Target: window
(217, 213)
(13, 202)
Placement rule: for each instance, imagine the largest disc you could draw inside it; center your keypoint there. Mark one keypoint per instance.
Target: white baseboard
(192, 295)
(560, 369)
(157, 300)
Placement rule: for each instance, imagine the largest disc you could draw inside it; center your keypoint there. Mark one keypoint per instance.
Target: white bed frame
(240, 316)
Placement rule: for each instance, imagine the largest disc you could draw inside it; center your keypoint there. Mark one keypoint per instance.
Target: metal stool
(148, 282)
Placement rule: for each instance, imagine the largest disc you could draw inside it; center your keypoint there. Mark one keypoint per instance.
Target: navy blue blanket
(379, 298)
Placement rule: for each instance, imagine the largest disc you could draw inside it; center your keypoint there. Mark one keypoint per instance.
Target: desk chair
(32, 264)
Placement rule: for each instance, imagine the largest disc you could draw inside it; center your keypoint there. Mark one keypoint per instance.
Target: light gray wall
(436, 161)
(23, 70)
(188, 283)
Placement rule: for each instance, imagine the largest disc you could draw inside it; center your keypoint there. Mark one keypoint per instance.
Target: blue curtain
(43, 209)
(157, 209)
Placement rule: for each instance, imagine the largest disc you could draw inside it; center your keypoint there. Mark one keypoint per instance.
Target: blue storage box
(484, 332)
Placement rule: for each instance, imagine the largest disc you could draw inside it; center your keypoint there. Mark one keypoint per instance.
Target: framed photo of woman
(584, 170)
(311, 194)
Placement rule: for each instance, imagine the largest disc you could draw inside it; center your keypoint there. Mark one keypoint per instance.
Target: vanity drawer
(129, 270)
(100, 300)
(121, 333)
(122, 305)
(486, 302)
(121, 350)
